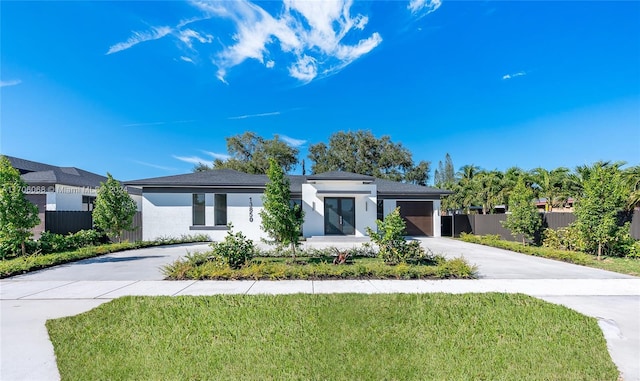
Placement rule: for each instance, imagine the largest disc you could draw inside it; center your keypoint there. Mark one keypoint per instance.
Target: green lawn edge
(439, 336)
(34, 262)
(628, 266)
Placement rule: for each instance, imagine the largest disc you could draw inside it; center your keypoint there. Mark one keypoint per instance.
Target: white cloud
(424, 7)
(311, 32)
(254, 115)
(309, 39)
(11, 82)
(193, 159)
(292, 142)
(304, 69)
(187, 35)
(216, 155)
(138, 37)
(514, 75)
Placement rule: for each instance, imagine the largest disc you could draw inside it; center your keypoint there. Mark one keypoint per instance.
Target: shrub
(236, 250)
(56, 243)
(394, 249)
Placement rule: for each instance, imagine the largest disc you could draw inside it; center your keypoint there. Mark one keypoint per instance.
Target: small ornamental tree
(604, 195)
(17, 214)
(280, 220)
(114, 208)
(523, 217)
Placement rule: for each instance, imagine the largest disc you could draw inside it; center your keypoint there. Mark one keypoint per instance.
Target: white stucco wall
(68, 198)
(437, 228)
(388, 206)
(313, 205)
(170, 214)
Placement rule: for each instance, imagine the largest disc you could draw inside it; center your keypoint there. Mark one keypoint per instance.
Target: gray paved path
(28, 301)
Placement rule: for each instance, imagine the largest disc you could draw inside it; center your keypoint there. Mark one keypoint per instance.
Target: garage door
(418, 215)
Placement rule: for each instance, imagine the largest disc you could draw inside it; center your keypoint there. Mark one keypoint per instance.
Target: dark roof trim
(328, 191)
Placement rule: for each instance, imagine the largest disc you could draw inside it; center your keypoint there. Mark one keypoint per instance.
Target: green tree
(550, 185)
(17, 215)
(280, 220)
(489, 189)
(509, 181)
(114, 208)
(632, 179)
(445, 176)
(361, 152)
(523, 217)
(604, 194)
(250, 153)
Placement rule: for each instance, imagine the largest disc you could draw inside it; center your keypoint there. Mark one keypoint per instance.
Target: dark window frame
(198, 209)
(220, 209)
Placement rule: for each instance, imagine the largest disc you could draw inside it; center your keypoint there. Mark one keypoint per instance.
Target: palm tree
(490, 189)
(467, 192)
(550, 185)
(509, 181)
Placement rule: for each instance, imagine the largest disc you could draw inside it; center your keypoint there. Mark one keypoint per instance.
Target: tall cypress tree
(280, 220)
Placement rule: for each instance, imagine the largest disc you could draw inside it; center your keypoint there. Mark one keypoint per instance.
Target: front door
(339, 216)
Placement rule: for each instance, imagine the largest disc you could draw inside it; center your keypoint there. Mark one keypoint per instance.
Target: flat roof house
(335, 203)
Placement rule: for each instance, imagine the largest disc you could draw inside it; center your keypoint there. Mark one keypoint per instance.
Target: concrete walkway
(28, 301)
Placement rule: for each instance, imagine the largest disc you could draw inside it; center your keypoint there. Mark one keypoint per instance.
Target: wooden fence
(62, 222)
(483, 224)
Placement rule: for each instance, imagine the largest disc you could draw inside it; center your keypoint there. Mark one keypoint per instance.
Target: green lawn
(331, 337)
(629, 266)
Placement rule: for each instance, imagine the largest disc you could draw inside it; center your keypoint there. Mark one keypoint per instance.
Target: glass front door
(339, 216)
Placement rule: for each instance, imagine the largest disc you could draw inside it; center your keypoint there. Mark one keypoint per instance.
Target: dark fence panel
(71, 222)
(558, 220)
(446, 226)
(483, 224)
(136, 234)
(635, 225)
(461, 224)
(67, 222)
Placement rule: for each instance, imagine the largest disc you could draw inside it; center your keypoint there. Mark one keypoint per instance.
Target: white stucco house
(334, 203)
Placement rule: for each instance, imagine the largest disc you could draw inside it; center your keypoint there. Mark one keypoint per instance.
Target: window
(380, 210)
(198, 209)
(220, 211)
(87, 203)
(298, 202)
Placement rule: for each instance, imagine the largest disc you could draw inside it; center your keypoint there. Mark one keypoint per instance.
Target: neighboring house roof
(215, 177)
(33, 172)
(227, 178)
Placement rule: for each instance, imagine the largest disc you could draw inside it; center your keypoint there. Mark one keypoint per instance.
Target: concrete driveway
(27, 301)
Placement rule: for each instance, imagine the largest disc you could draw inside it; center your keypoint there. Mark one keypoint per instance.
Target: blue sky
(145, 89)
